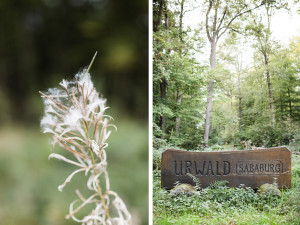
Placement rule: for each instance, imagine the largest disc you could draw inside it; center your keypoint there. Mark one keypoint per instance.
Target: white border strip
(150, 110)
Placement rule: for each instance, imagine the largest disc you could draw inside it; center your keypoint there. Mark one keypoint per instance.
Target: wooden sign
(252, 168)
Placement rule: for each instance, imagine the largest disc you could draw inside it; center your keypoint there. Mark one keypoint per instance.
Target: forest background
(223, 81)
(41, 43)
(246, 92)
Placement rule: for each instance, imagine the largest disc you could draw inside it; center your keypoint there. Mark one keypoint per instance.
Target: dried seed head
(74, 116)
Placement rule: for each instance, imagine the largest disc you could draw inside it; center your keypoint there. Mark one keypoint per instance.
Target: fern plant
(195, 180)
(218, 184)
(75, 117)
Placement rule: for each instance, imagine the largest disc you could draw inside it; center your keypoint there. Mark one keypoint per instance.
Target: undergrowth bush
(156, 159)
(265, 135)
(218, 200)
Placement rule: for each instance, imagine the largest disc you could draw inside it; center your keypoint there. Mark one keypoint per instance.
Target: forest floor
(230, 206)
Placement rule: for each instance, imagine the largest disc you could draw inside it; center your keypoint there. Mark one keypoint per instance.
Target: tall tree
(174, 62)
(158, 12)
(220, 17)
(162, 12)
(262, 35)
(178, 94)
(231, 54)
(284, 66)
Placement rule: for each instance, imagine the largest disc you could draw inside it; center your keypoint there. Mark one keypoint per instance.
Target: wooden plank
(251, 168)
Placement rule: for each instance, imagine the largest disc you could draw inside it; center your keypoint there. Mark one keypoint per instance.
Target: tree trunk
(177, 126)
(290, 103)
(178, 97)
(271, 99)
(181, 18)
(281, 105)
(240, 102)
(214, 32)
(163, 93)
(213, 46)
(164, 83)
(270, 92)
(158, 22)
(166, 15)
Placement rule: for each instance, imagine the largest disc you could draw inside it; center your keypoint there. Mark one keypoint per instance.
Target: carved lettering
(240, 168)
(199, 171)
(200, 168)
(277, 168)
(250, 167)
(180, 172)
(226, 167)
(209, 168)
(218, 174)
(261, 168)
(246, 169)
(272, 168)
(187, 167)
(267, 167)
(258, 167)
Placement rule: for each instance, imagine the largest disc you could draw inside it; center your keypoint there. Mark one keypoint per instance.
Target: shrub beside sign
(251, 168)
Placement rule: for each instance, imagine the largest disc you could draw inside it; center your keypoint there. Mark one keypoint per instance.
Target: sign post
(251, 168)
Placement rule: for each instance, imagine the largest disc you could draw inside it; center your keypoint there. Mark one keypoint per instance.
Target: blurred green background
(42, 42)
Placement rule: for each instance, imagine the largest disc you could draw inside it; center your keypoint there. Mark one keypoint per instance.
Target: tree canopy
(256, 88)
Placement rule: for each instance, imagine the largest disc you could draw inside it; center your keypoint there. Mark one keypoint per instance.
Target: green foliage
(156, 159)
(241, 115)
(196, 181)
(246, 126)
(296, 171)
(218, 184)
(248, 87)
(265, 135)
(219, 203)
(177, 81)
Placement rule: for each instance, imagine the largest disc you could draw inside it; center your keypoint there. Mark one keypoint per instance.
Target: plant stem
(98, 186)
